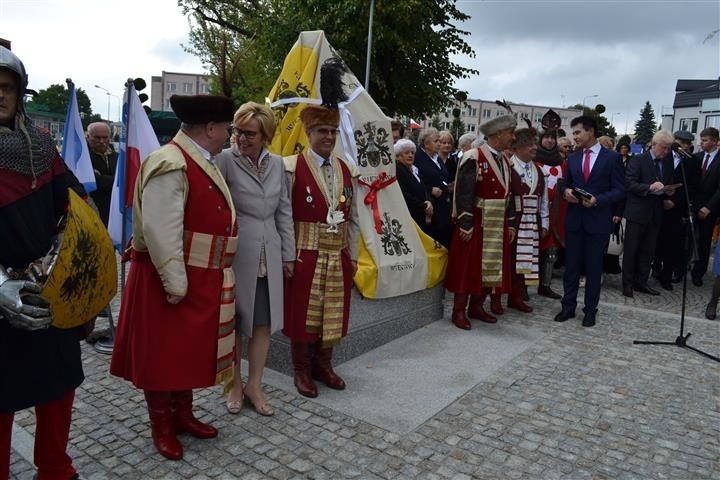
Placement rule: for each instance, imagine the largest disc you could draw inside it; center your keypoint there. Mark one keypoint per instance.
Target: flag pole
(123, 194)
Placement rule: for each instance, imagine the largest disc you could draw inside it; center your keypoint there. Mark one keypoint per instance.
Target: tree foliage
(645, 126)
(244, 43)
(55, 98)
(604, 126)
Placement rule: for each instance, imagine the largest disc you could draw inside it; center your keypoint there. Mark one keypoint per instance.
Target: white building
(172, 83)
(473, 113)
(696, 107)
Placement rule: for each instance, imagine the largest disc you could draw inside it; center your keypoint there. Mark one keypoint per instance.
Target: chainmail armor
(16, 155)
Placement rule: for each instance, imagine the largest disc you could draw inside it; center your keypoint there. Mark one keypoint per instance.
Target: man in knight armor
(42, 366)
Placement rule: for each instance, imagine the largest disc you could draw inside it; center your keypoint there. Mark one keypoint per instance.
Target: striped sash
(528, 238)
(493, 225)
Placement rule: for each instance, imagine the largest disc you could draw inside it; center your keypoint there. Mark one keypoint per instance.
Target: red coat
(308, 205)
(464, 271)
(160, 346)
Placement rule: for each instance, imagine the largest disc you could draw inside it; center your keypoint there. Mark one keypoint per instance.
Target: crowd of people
(509, 207)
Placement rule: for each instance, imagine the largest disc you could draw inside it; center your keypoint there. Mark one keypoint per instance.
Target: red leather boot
(458, 313)
(185, 421)
(161, 423)
(300, 353)
(495, 304)
(476, 310)
(515, 299)
(322, 370)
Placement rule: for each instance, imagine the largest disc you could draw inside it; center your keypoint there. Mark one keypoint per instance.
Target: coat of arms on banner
(372, 145)
(392, 238)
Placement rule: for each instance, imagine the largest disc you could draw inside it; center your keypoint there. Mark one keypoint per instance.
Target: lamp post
(612, 118)
(586, 97)
(107, 92)
(369, 46)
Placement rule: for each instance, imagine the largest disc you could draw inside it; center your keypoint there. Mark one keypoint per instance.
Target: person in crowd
(597, 172)
(611, 262)
(257, 182)
(104, 162)
(529, 193)
(479, 261)
(672, 254)
(42, 366)
(707, 200)
(464, 144)
(648, 183)
(624, 150)
(711, 309)
(175, 331)
(408, 177)
(317, 296)
(436, 178)
(445, 154)
(565, 145)
(398, 130)
(478, 142)
(550, 160)
(607, 142)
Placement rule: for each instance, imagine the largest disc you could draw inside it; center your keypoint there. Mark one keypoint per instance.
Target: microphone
(679, 150)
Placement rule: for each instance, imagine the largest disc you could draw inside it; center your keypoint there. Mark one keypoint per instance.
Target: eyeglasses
(249, 134)
(327, 131)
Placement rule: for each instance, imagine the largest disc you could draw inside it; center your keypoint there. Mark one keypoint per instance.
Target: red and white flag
(137, 142)
(414, 125)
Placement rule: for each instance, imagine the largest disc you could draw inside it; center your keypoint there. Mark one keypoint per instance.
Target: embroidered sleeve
(465, 194)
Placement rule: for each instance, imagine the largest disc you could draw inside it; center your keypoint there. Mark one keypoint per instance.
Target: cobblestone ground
(582, 403)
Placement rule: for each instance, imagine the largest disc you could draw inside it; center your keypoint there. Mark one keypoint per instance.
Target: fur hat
(550, 124)
(202, 109)
(313, 115)
(524, 136)
(497, 124)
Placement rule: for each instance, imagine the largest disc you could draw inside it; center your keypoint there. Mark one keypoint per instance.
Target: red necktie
(586, 165)
(705, 163)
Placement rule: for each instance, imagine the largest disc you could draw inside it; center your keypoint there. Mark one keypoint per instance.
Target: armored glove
(21, 303)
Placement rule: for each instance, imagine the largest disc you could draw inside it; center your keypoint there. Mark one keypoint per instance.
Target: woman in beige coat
(266, 244)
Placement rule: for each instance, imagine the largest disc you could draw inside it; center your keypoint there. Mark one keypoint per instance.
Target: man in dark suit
(671, 257)
(706, 207)
(645, 182)
(588, 223)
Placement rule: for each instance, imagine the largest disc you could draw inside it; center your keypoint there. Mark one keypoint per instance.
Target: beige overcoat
(264, 216)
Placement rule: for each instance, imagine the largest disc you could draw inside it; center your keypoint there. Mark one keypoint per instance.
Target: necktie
(705, 164)
(500, 164)
(528, 174)
(586, 165)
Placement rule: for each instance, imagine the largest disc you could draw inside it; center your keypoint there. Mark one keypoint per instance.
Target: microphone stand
(681, 340)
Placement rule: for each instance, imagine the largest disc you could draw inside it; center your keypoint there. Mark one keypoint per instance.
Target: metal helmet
(10, 61)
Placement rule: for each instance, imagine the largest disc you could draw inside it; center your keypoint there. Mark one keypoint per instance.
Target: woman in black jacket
(436, 178)
(413, 190)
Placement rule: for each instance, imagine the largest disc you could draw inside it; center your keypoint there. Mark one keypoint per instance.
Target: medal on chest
(309, 197)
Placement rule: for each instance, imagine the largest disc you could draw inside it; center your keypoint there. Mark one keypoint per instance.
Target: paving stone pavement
(581, 403)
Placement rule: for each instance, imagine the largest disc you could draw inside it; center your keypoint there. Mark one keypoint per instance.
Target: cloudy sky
(532, 51)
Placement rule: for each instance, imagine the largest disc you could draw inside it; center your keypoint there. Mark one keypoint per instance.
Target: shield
(396, 257)
(83, 277)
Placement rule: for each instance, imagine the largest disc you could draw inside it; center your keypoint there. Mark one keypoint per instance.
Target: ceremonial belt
(493, 225)
(528, 238)
(314, 236)
(326, 304)
(208, 251)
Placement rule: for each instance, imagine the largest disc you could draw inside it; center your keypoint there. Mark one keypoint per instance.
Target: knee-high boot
(476, 310)
(185, 421)
(322, 369)
(300, 352)
(711, 309)
(496, 304)
(458, 313)
(547, 262)
(160, 410)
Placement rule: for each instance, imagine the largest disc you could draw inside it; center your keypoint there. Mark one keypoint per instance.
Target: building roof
(691, 93)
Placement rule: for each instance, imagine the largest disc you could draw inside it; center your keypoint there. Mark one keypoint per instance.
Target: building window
(712, 121)
(486, 113)
(689, 124)
(498, 113)
(167, 105)
(204, 88)
(187, 88)
(474, 112)
(171, 86)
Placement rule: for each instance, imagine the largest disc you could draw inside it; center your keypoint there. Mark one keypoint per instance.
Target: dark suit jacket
(690, 184)
(641, 206)
(432, 176)
(413, 192)
(708, 192)
(606, 184)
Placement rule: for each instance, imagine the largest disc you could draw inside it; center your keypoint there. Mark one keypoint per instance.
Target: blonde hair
(261, 113)
(446, 135)
(605, 139)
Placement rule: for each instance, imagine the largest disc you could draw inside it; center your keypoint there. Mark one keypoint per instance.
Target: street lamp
(612, 117)
(107, 92)
(584, 98)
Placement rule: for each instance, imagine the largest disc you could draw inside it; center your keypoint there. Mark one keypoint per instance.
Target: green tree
(457, 127)
(413, 41)
(436, 123)
(55, 99)
(604, 126)
(645, 126)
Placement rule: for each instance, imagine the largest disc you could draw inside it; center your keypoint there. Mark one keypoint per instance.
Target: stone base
(372, 323)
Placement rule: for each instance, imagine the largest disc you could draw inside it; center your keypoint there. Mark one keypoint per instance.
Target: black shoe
(656, 274)
(646, 289)
(628, 292)
(666, 285)
(677, 278)
(697, 281)
(564, 315)
(589, 319)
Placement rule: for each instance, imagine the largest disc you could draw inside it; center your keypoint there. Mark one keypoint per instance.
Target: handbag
(617, 239)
